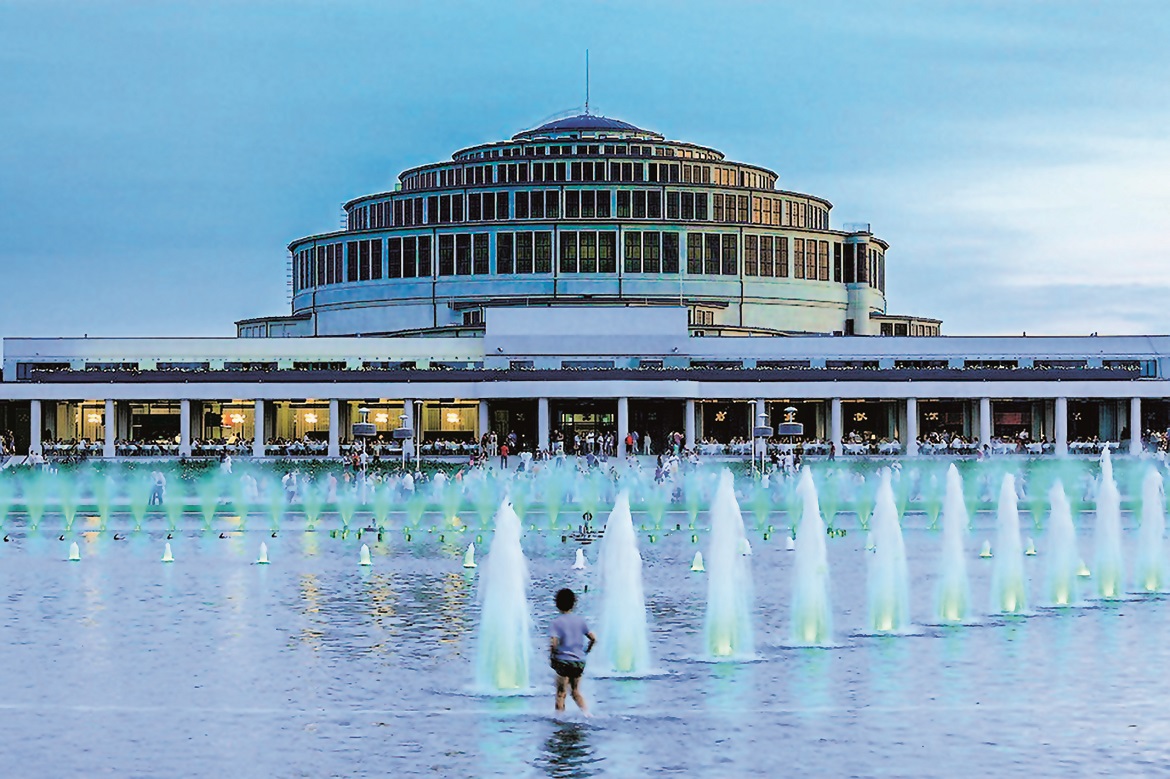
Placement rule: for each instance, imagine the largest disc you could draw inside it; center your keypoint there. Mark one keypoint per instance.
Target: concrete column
(623, 423)
(911, 444)
(334, 428)
(258, 429)
(689, 424)
(111, 428)
(411, 444)
(1135, 426)
(1060, 425)
(184, 428)
(984, 422)
(542, 423)
(484, 421)
(836, 425)
(408, 410)
(761, 407)
(344, 420)
(35, 425)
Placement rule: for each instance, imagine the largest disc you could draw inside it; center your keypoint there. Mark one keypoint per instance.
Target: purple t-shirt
(570, 632)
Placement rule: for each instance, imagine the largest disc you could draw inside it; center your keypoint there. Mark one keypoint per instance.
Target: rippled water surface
(121, 665)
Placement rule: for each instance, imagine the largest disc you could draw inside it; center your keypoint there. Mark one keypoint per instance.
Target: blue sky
(156, 158)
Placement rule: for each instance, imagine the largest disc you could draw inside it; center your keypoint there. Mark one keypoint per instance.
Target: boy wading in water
(567, 650)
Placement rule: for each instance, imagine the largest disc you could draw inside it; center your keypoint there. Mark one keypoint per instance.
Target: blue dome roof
(588, 122)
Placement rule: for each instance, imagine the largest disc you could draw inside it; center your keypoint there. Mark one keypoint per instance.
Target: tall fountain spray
(1064, 560)
(1109, 572)
(1151, 555)
(1008, 587)
(954, 589)
(812, 614)
(889, 578)
(624, 636)
(504, 647)
(729, 579)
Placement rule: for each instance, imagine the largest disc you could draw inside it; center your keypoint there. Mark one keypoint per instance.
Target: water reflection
(453, 608)
(312, 633)
(731, 687)
(569, 752)
(810, 678)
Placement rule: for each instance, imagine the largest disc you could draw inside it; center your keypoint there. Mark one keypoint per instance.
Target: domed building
(555, 286)
(589, 211)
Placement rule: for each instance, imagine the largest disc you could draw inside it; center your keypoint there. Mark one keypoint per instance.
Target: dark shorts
(571, 669)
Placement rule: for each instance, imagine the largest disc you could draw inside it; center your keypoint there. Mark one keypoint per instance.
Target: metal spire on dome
(587, 82)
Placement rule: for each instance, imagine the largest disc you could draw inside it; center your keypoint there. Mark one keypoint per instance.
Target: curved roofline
(585, 123)
(456, 156)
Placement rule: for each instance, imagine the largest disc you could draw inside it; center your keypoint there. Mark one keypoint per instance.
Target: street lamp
(761, 432)
(790, 428)
(364, 430)
(403, 434)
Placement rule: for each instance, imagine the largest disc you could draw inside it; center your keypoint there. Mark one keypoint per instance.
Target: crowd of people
(590, 448)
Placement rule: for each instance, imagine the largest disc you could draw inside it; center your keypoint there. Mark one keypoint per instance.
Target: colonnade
(908, 415)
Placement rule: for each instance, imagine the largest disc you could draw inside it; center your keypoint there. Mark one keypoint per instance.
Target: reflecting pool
(315, 665)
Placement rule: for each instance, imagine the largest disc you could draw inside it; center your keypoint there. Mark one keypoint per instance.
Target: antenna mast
(587, 81)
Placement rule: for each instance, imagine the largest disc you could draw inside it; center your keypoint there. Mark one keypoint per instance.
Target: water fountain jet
(504, 645)
(1109, 566)
(1064, 561)
(812, 615)
(728, 624)
(1008, 586)
(624, 641)
(889, 577)
(954, 591)
(1150, 567)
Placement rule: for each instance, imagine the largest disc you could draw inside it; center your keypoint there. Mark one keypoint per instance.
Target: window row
(781, 212)
(651, 252)
(768, 256)
(712, 254)
(589, 251)
(588, 170)
(864, 264)
(457, 208)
